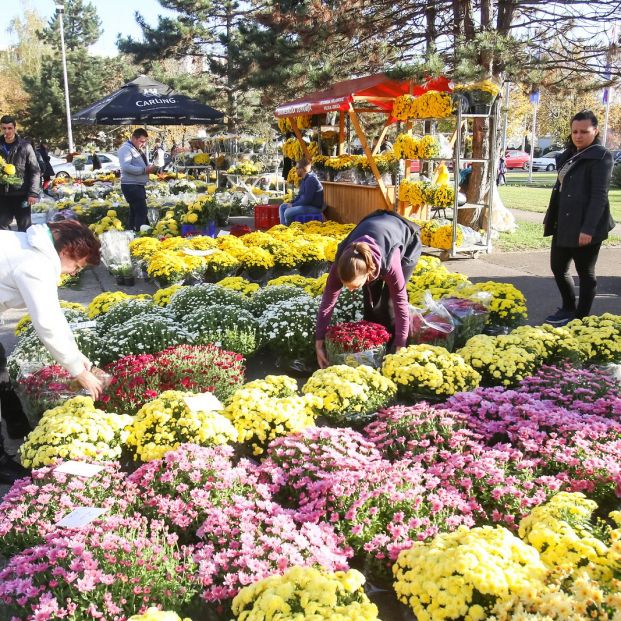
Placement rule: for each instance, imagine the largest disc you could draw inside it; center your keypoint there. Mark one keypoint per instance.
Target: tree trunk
(478, 185)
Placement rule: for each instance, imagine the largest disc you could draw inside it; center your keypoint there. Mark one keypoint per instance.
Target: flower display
(103, 302)
(73, 311)
(293, 177)
(599, 337)
(182, 487)
(137, 379)
(349, 395)
(202, 296)
(429, 371)
(313, 593)
(123, 311)
(267, 296)
(508, 305)
(451, 576)
(113, 570)
(162, 297)
(410, 147)
(239, 284)
(75, 430)
(33, 506)
(361, 337)
(263, 410)
(439, 282)
(228, 327)
(429, 105)
(418, 193)
(164, 424)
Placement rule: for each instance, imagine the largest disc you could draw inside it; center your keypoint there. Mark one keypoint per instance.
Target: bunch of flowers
(468, 316)
(349, 395)
(166, 226)
(239, 284)
(33, 506)
(292, 149)
(8, 174)
(203, 296)
(155, 614)
(430, 371)
(293, 177)
(430, 105)
(413, 193)
(365, 338)
(266, 409)
(228, 327)
(440, 283)
(202, 159)
(73, 311)
(297, 460)
(75, 430)
(245, 168)
(162, 297)
(450, 577)
(169, 267)
(349, 307)
(588, 391)
(308, 285)
(268, 296)
(182, 487)
(410, 147)
(256, 258)
(288, 327)
(162, 425)
(566, 536)
(103, 302)
(199, 368)
(442, 237)
(486, 90)
(312, 593)
(108, 570)
(108, 223)
(303, 121)
(599, 337)
(508, 305)
(339, 163)
(248, 540)
(143, 334)
(383, 508)
(125, 310)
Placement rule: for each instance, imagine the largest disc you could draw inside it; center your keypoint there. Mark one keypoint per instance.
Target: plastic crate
(266, 216)
(308, 217)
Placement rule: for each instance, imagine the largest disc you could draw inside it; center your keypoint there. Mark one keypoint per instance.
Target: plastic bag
(469, 317)
(370, 357)
(431, 325)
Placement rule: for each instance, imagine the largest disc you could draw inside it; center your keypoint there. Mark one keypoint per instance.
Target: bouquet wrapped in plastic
(469, 316)
(355, 343)
(431, 325)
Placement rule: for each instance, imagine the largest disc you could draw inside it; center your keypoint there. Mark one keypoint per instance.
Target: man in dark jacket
(309, 199)
(16, 201)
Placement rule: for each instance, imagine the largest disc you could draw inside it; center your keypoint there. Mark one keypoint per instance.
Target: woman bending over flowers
(379, 255)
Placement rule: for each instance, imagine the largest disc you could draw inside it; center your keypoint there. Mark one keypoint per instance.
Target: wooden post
(298, 135)
(341, 132)
(381, 137)
(365, 146)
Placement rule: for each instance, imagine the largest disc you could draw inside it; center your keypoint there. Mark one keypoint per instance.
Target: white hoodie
(29, 273)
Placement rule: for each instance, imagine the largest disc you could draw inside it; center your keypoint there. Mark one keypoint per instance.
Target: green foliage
(82, 26)
(616, 176)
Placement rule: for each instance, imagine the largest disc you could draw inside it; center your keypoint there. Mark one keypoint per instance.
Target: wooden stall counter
(348, 203)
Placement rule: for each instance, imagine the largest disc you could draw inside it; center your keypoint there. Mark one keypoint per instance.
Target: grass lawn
(519, 194)
(529, 236)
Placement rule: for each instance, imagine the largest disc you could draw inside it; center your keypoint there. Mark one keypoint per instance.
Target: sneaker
(11, 471)
(560, 317)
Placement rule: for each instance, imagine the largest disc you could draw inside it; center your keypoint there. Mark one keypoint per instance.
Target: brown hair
(303, 163)
(355, 261)
(77, 240)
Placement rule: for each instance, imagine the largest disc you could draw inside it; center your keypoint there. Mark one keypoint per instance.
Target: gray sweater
(133, 167)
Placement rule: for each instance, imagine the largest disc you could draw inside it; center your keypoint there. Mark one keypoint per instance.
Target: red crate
(266, 216)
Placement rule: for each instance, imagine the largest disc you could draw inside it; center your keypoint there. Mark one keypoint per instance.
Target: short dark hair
(77, 240)
(585, 115)
(302, 163)
(140, 132)
(7, 118)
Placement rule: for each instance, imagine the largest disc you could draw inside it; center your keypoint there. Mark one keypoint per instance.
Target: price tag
(203, 402)
(79, 468)
(223, 233)
(80, 325)
(200, 253)
(80, 517)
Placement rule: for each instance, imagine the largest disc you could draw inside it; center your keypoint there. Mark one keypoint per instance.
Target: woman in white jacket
(30, 267)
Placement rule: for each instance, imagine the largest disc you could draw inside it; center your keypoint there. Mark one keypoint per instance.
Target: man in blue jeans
(309, 199)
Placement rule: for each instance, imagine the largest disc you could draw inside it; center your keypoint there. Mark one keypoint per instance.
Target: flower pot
(129, 281)
(480, 108)
(211, 228)
(120, 280)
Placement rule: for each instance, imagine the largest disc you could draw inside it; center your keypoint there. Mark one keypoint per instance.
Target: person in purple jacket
(309, 199)
(379, 255)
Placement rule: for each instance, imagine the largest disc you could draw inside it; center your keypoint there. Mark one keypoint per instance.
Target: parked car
(109, 161)
(546, 162)
(514, 158)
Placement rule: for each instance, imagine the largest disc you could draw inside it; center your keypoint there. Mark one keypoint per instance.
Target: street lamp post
(60, 10)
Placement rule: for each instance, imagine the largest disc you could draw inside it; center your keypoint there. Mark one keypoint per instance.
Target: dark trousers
(10, 406)
(584, 258)
(11, 207)
(378, 306)
(136, 196)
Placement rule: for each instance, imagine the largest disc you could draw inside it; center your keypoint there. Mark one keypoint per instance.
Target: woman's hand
(322, 358)
(584, 239)
(89, 382)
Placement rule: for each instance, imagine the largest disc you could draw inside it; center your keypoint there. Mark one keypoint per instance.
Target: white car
(109, 161)
(546, 162)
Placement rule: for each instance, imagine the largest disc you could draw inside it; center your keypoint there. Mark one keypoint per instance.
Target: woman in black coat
(578, 217)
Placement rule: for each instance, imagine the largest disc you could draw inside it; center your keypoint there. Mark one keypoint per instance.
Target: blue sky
(117, 16)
